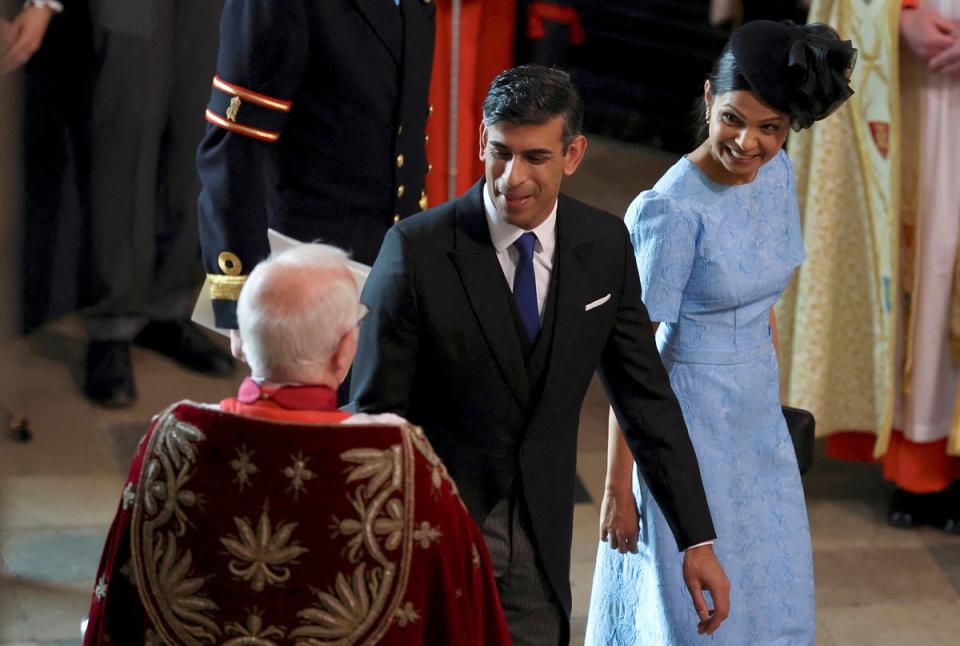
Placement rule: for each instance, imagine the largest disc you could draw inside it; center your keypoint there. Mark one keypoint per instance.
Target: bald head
(295, 312)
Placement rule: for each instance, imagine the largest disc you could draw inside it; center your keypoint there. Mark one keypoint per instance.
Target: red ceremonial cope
(236, 530)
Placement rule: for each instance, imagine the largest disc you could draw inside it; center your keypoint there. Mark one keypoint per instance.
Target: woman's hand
(619, 520)
(24, 37)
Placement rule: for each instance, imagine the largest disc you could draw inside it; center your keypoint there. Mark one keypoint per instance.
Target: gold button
(401, 190)
(396, 217)
(230, 263)
(429, 167)
(423, 201)
(426, 139)
(430, 110)
(400, 160)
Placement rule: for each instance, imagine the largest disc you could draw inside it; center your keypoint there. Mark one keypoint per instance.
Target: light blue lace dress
(713, 260)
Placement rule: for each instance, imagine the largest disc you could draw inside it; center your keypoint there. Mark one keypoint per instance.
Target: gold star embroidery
(298, 474)
(243, 467)
(406, 615)
(426, 534)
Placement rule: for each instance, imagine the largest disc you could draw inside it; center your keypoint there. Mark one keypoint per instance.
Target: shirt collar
(291, 397)
(503, 234)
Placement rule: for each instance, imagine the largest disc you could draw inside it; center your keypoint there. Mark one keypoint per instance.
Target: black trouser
(155, 61)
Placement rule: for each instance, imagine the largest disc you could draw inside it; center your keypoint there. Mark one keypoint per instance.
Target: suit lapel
(484, 284)
(385, 19)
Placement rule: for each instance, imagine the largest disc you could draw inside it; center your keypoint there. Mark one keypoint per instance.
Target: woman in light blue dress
(716, 242)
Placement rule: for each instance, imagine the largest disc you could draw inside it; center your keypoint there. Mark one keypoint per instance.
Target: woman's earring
(708, 114)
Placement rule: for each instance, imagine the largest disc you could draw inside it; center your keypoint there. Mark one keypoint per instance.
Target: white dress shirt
(503, 235)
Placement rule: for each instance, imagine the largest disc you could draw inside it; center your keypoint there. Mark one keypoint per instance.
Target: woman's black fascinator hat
(802, 70)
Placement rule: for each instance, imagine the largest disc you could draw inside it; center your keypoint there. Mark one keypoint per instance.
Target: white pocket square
(596, 303)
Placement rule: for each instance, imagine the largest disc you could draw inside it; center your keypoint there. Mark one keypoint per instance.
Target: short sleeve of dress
(664, 237)
(796, 249)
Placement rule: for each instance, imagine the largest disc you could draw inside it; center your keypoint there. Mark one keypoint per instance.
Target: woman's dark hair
(724, 77)
(800, 70)
(533, 95)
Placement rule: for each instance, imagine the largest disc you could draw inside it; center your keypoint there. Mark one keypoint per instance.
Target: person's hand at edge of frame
(702, 571)
(947, 62)
(23, 37)
(926, 32)
(6, 35)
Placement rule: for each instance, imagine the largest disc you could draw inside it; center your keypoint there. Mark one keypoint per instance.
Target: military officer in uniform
(316, 129)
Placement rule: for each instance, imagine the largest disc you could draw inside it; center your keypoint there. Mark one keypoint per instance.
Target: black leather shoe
(187, 345)
(109, 374)
(939, 509)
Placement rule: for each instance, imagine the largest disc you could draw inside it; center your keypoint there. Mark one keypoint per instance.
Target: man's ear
(574, 154)
(483, 138)
(342, 359)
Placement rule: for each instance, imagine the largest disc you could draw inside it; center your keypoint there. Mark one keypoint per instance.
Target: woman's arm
(619, 520)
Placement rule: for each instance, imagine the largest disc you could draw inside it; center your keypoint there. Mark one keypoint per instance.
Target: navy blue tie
(525, 285)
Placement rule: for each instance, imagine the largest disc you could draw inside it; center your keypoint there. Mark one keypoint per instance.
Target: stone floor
(58, 493)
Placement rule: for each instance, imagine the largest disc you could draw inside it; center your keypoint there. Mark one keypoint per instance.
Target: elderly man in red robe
(274, 518)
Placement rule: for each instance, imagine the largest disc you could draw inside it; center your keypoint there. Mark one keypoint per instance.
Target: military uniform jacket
(317, 119)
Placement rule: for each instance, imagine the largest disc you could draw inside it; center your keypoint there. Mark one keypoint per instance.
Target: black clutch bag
(802, 428)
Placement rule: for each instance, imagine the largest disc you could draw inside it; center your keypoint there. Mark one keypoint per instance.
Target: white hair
(294, 309)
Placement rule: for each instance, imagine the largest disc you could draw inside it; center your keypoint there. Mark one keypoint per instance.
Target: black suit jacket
(337, 153)
(440, 347)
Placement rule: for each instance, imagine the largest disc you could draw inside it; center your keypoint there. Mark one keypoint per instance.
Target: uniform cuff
(225, 314)
(246, 112)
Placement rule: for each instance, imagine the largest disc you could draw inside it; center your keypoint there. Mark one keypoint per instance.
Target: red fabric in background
(354, 503)
(486, 49)
(918, 468)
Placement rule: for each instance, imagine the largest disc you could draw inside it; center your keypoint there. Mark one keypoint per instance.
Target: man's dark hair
(533, 95)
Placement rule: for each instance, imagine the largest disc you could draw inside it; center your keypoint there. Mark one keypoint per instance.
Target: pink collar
(322, 398)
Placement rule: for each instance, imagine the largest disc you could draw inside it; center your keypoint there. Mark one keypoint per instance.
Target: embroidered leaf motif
(379, 466)
(178, 590)
(176, 438)
(261, 557)
(391, 526)
(339, 612)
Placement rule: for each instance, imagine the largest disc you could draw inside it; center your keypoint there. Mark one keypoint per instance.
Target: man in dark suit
(489, 315)
(317, 119)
